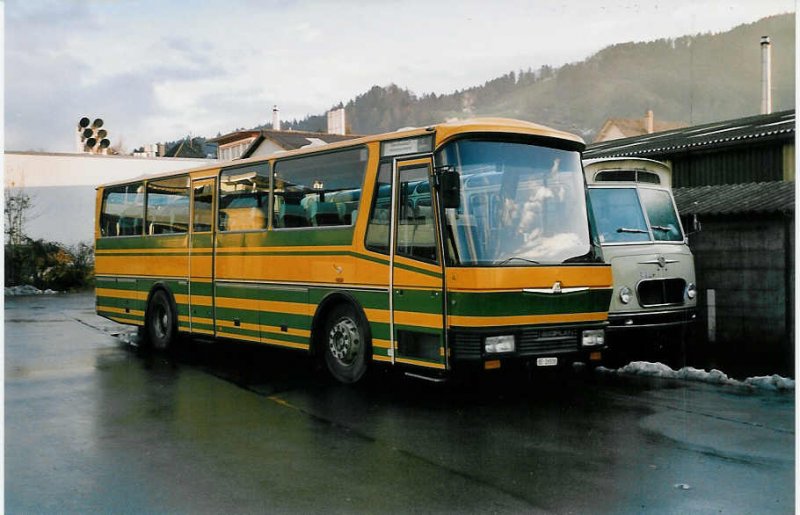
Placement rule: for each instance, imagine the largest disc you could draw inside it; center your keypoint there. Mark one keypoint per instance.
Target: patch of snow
(714, 376)
(773, 382)
(27, 289)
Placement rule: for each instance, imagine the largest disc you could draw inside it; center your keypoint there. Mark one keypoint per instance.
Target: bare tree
(17, 211)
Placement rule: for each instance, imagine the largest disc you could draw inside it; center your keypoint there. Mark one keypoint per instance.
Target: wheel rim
(344, 342)
(161, 319)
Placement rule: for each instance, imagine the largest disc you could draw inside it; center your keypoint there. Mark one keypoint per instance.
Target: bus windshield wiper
(517, 257)
(661, 228)
(627, 229)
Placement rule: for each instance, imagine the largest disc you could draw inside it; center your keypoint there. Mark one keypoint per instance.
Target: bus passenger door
(416, 284)
(201, 256)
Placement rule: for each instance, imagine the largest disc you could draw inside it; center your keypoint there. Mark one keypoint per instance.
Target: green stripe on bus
(520, 304)
(116, 302)
(260, 292)
(252, 335)
(168, 241)
(285, 337)
(202, 288)
(128, 285)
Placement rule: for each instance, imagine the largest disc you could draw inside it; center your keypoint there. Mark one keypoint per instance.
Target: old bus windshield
(620, 215)
(521, 204)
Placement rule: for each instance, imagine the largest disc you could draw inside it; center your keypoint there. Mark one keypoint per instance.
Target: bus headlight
(691, 291)
(593, 338)
(496, 344)
(625, 294)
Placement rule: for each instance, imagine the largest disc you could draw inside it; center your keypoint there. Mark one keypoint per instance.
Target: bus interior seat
(346, 210)
(292, 215)
(323, 213)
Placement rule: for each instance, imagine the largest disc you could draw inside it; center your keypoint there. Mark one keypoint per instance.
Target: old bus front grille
(661, 292)
(529, 342)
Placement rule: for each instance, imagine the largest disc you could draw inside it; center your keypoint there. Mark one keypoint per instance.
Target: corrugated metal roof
(741, 130)
(754, 197)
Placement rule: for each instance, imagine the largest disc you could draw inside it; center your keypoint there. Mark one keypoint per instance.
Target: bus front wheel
(346, 344)
(160, 321)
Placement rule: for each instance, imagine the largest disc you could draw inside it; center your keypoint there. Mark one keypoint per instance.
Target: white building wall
(62, 187)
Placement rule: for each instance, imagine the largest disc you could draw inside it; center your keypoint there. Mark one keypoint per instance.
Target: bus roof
(443, 131)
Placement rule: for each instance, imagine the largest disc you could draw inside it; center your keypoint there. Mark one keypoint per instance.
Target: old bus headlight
(593, 338)
(625, 294)
(496, 344)
(691, 291)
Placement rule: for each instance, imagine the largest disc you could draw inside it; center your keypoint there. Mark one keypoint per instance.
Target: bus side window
(168, 206)
(318, 190)
(122, 211)
(244, 198)
(416, 234)
(378, 226)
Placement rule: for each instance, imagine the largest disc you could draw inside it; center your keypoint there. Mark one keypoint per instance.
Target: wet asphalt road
(93, 425)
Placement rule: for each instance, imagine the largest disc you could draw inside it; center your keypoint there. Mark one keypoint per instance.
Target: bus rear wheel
(160, 322)
(346, 344)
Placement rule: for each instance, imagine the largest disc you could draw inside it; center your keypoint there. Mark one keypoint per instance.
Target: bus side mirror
(450, 187)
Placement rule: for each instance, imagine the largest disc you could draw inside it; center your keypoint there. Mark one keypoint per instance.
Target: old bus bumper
(531, 342)
(654, 319)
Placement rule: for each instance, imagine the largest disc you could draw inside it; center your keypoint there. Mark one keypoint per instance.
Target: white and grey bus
(655, 294)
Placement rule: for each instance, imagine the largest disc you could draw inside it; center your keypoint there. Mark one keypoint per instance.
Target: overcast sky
(159, 70)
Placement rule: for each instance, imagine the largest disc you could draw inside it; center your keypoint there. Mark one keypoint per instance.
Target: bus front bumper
(567, 343)
(652, 319)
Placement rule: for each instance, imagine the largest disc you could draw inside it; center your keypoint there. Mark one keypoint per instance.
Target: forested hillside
(692, 79)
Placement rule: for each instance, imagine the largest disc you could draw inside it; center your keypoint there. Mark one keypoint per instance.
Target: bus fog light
(691, 291)
(495, 344)
(625, 294)
(593, 338)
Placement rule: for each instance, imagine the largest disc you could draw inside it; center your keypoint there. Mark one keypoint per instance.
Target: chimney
(162, 149)
(648, 121)
(336, 121)
(766, 75)
(276, 119)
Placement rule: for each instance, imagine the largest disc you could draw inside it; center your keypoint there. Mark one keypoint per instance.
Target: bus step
(426, 378)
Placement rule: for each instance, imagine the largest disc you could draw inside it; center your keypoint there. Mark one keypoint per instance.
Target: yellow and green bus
(462, 244)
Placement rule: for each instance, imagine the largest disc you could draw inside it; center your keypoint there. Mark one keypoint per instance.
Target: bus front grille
(529, 342)
(661, 292)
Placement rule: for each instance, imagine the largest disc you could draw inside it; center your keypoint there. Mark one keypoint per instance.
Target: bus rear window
(123, 211)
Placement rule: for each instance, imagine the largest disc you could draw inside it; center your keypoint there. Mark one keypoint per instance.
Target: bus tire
(346, 344)
(161, 324)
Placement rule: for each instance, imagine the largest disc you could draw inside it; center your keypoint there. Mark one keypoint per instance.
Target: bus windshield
(620, 216)
(521, 204)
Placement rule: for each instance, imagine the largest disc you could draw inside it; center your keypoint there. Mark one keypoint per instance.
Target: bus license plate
(546, 362)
